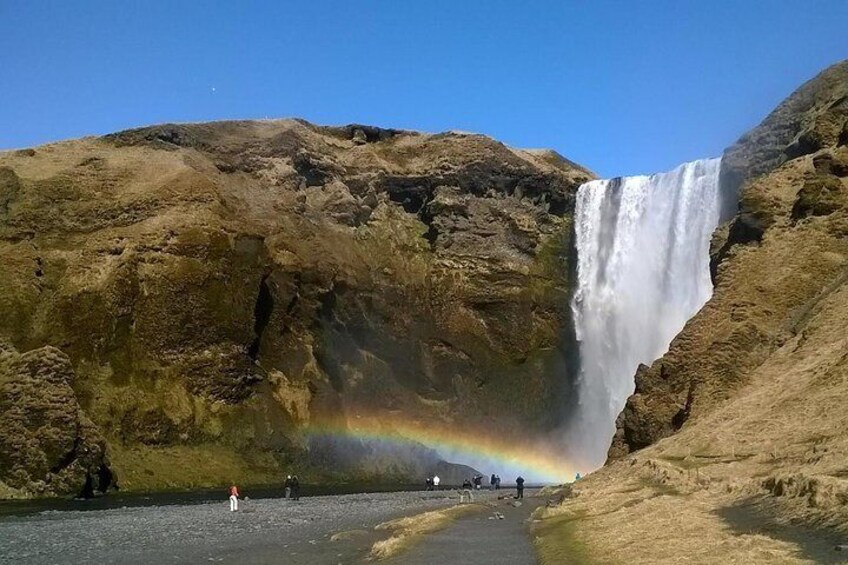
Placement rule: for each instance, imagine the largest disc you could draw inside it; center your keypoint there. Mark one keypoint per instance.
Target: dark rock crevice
(68, 458)
(747, 228)
(106, 479)
(261, 316)
(87, 490)
(412, 193)
(685, 411)
(313, 171)
(427, 216)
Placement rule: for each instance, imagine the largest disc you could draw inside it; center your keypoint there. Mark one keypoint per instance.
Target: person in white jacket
(436, 482)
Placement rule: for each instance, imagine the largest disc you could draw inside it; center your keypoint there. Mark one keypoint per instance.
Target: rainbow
(537, 462)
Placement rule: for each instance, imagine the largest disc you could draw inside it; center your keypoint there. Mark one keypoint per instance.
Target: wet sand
(269, 530)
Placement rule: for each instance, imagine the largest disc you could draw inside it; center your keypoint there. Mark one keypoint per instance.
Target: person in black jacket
(295, 488)
(288, 486)
(519, 487)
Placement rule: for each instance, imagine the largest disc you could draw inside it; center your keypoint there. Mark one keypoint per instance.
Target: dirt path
(480, 538)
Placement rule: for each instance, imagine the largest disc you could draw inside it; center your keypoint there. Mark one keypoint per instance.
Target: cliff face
(741, 427)
(774, 264)
(193, 297)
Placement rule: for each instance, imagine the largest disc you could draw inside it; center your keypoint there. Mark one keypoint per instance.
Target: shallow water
(201, 496)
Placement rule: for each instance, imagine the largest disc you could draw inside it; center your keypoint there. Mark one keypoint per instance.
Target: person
(492, 482)
(466, 494)
(234, 496)
(519, 487)
(466, 484)
(429, 482)
(478, 481)
(288, 485)
(577, 477)
(436, 481)
(295, 488)
(497, 482)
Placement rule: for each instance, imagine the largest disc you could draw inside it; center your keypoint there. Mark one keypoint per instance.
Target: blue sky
(621, 87)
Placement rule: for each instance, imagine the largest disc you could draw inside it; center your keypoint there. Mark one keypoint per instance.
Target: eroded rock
(47, 443)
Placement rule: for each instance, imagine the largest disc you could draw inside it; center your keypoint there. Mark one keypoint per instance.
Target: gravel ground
(480, 539)
(263, 531)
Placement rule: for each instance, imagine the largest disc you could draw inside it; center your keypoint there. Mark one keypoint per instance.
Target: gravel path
(263, 531)
(480, 538)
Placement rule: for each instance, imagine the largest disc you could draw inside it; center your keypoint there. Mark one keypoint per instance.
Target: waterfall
(643, 271)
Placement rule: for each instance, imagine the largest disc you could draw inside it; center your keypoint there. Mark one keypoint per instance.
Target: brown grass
(669, 503)
(757, 475)
(557, 542)
(407, 531)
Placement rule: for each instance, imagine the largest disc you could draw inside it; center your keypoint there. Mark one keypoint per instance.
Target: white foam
(643, 271)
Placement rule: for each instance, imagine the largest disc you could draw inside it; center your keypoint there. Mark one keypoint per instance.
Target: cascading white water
(643, 271)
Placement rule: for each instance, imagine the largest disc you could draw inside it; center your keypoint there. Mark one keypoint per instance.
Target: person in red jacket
(234, 496)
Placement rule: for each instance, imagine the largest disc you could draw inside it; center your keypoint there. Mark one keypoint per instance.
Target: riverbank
(122, 499)
(266, 530)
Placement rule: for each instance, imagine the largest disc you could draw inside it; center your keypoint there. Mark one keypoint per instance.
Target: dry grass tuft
(410, 529)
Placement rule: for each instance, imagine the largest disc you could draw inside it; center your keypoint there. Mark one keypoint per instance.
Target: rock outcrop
(215, 289)
(778, 259)
(47, 444)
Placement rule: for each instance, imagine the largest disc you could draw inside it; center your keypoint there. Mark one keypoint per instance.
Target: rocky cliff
(774, 264)
(733, 448)
(179, 303)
